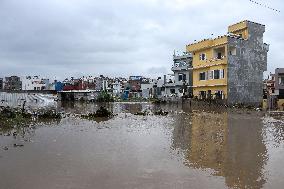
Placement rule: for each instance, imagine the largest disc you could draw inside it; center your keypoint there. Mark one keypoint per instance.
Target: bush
(105, 97)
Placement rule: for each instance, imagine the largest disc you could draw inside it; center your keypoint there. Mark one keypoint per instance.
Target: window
(219, 55)
(219, 94)
(202, 76)
(184, 77)
(173, 91)
(232, 51)
(216, 74)
(211, 74)
(202, 56)
(281, 80)
(202, 94)
(180, 77)
(222, 74)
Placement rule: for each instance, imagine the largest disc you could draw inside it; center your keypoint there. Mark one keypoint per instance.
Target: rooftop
(235, 27)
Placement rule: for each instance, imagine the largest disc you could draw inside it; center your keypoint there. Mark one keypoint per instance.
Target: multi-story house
(35, 83)
(101, 83)
(182, 68)
(279, 82)
(231, 67)
(13, 83)
(269, 86)
(116, 87)
(135, 83)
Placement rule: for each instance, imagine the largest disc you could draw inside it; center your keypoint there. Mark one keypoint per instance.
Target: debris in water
(18, 145)
(101, 112)
(161, 112)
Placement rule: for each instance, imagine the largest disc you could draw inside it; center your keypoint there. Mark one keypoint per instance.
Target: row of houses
(228, 68)
(27, 83)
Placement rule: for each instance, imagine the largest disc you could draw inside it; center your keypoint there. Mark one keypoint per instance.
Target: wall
(245, 69)
(280, 104)
(278, 71)
(210, 64)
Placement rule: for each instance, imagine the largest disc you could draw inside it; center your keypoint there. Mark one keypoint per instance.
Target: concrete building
(182, 83)
(116, 87)
(101, 83)
(13, 83)
(274, 91)
(158, 90)
(269, 85)
(147, 89)
(135, 83)
(35, 83)
(231, 67)
(279, 82)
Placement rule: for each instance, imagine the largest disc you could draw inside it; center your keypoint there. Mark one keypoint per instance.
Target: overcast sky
(120, 37)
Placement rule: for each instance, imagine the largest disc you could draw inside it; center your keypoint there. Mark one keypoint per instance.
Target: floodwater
(189, 148)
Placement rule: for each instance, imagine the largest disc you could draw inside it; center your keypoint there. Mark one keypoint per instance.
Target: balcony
(179, 68)
(210, 63)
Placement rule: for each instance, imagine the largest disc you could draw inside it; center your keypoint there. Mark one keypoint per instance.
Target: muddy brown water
(189, 148)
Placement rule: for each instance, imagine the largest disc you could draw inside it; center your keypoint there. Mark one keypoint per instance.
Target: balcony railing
(211, 62)
(178, 68)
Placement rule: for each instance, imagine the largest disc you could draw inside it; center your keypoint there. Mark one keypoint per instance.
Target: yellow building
(231, 66)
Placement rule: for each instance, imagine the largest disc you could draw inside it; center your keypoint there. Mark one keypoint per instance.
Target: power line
(264, 5)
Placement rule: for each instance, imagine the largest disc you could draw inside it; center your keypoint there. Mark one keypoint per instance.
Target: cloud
(127, 37)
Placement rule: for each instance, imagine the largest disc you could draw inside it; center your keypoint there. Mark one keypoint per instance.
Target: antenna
(264, 5)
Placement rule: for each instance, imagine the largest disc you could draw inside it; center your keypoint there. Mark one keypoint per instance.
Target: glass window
(202, 56)
(184, 77)
(202, 76)
(216, 74)
(281, 80)
(219, 55)
(180, 77)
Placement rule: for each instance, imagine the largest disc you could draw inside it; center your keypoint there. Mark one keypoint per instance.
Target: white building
(116, 88)
(35, 83)
(182, 82)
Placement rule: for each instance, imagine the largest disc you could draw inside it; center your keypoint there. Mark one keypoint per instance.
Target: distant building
(269, 86)
(231, 67)
(274, 91)
(1, 83)
(35, 83)
(116, 87)
(182, 83)
(279, 82)
(56, 86)
(74, 84)
(13, 83)
(147, 89)
(101, 83)
(135, 83)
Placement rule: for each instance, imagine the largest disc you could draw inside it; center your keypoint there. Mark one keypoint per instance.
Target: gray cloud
(126, 37)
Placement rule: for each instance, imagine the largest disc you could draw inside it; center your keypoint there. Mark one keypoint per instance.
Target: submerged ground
(188, 148)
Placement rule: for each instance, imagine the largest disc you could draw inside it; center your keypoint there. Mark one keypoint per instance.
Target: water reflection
(235, 145)
(229, 144)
